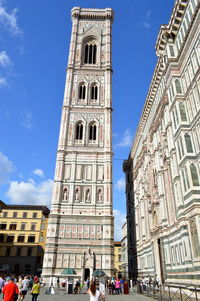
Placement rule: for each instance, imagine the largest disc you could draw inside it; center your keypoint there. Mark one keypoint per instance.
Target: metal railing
(170, 292)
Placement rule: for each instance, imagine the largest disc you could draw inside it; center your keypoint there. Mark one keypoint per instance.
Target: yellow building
(117, 259)
(22, 238)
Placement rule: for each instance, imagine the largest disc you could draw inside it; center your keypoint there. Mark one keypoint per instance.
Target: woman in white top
(93, 292)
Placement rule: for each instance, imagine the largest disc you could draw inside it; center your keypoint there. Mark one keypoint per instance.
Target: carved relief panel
(67, 172)
(100, 172)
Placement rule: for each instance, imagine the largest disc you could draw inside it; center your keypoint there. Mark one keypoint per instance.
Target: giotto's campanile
(81, 224)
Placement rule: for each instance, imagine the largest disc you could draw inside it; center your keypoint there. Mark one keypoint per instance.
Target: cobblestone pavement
(60, 296)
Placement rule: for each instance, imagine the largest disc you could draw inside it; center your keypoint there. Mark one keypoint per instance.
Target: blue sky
(34, 43)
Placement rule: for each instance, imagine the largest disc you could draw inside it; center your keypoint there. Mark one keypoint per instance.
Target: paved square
(60, 296)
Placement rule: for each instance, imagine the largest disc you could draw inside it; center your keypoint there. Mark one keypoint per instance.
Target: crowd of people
(145, 283)
(16, 288)
(112, 286)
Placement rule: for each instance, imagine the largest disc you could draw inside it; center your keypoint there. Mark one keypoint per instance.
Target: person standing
(35, 290)
(25, 286)
(93, 292)
(2, 282)
(10, 291)
(117, 286)
(19, 285)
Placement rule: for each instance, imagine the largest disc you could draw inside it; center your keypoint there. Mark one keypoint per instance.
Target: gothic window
(188, 143)
(82, 90)
(178, 86)
(194, 238)
(195, 179)
(79, 131)
(90, 53)
(182, 111)
(93, 131)
(94, 92)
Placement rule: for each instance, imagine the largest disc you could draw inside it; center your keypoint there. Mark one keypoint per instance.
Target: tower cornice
(92, 13)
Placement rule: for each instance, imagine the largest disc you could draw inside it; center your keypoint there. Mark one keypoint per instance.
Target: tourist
(10, 291)
(25, 286)
(63, 283)
(121, 286)
(109, 287)
(117, 286)
(126, 288)
(2, 282)
(113, 286)
(88, 282)
(19, 285)
(35, 290)
(93, 292)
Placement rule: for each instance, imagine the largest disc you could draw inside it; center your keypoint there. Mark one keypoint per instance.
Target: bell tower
(81, 224)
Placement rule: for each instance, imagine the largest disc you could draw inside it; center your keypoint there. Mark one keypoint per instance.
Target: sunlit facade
(163, 168)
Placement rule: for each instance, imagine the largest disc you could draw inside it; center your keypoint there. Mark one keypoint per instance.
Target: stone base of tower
(89, 262)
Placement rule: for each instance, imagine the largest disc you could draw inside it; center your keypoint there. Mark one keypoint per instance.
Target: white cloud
(6, 167)
(30, 192)
(145, 24)
(120, 184)
(39, 172)
(3, 82)
(119, 221)
(9, 20)
(126, 140)
(4, 59)
(26, 121)
(148, 14)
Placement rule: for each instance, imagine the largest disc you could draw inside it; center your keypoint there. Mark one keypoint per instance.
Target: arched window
(90, 53)
(94, 92)
(79, 131)
(195, 179)
(188, 143)
(195, 238)
(82, 89)
(178, 86)
(93, 131)
(182, 112)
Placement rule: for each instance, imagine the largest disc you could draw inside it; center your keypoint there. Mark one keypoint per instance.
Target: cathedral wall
(165, 158)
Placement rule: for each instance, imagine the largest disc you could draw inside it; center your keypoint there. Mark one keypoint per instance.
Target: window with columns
(90, 52)
(79, 131)
(93, 132)
(94, 92)
(82, 91)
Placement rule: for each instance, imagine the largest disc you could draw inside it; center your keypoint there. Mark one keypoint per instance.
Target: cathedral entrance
(87, 274)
